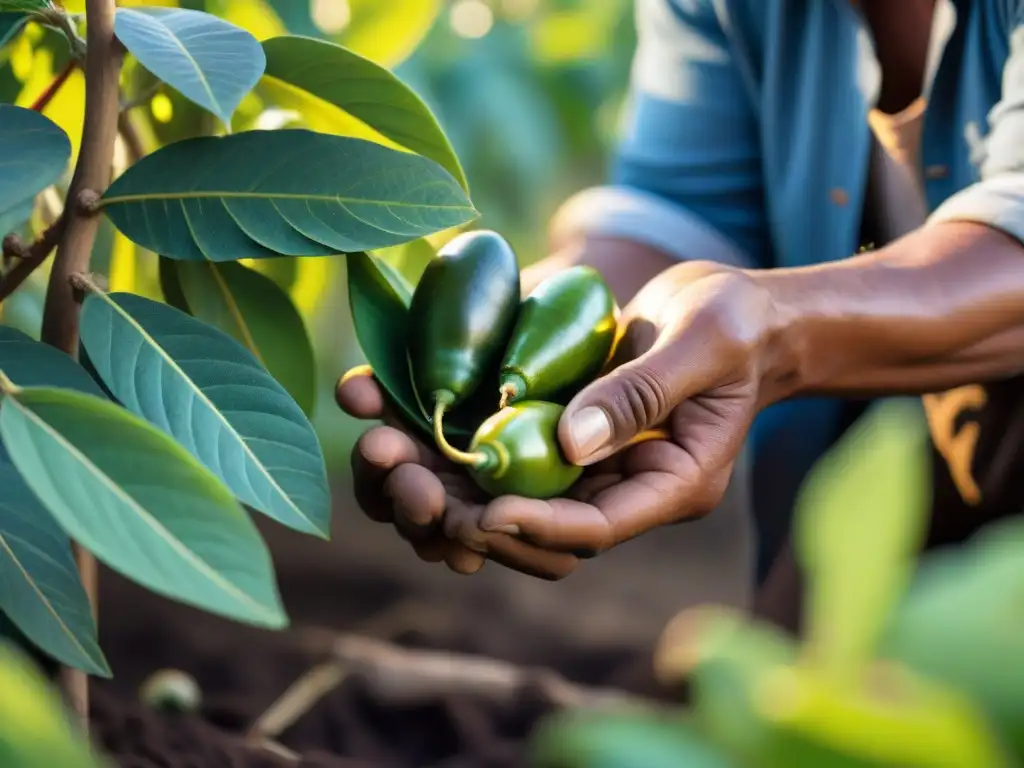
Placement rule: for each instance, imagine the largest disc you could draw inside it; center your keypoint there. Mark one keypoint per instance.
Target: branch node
(88, 282)
(14, 246)
(88, 202)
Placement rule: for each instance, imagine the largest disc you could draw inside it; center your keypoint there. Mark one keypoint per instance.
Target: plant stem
(92, 174)
(450, 452)
(52, 89)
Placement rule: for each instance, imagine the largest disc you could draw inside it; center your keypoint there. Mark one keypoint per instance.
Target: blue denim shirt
(746, 139)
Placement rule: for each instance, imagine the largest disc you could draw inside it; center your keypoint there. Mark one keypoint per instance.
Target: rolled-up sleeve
(686, 177)
(997, 199)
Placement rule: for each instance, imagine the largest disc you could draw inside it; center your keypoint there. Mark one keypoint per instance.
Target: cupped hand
(695, 350)
(403, 481)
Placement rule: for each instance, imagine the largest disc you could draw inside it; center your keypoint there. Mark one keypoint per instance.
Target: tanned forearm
(941, 307)
(626, 266)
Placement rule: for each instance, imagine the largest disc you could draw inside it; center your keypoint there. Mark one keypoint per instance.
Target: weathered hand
(691, 361)
(694, 355)
(403, 481)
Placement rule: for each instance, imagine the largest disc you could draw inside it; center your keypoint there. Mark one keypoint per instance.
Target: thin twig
(296, 701)
(53, 88)
(29, 257)
(410, 675)
(92, 174)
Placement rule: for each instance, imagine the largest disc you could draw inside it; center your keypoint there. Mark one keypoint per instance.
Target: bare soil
(598, 627)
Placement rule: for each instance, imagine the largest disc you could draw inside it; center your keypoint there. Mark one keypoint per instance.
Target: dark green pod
(562, 337)
(519, 452)
(462, 312)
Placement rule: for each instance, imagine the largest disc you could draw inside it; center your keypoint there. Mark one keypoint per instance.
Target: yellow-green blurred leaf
(388, 32)
(889, 718)
(962, 623)
(858, 524)
(35, 730)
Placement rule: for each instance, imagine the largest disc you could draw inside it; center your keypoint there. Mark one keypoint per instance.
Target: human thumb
(615, 408)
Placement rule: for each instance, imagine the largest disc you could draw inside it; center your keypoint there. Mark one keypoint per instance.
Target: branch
(92, 174)
(29, 256)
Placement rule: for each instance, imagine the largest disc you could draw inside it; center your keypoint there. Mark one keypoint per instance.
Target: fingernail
(510, 528)
(590, 430)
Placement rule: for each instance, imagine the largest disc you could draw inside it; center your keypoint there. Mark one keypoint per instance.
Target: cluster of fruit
(476, 346)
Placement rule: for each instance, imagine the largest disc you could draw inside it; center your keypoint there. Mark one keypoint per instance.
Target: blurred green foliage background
(529, 92)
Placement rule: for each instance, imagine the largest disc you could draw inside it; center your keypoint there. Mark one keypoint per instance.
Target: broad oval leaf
(35, 154)
(30, 363)
(290, 192)
(211, 62)
(42, 592)
(140, 502)
(35, 730)
(209, 393)
(257, 313)
(364, 90)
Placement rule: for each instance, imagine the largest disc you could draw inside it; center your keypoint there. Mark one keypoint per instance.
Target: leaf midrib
(196, 195)
(156, 19)
(46, 602)
(202, 396)
(158, 528)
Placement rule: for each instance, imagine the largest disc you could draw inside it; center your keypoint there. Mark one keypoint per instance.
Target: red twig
(51, 90)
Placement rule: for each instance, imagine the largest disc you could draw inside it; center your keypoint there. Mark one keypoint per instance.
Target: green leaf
(29, 363)
(210, 394)
(380, 310)
(292, 192)
(35, 730)
(582, 739)
(24, 6)
(364, 90)
(42, 593)
(137, 500)
(210, 61)
(10, 25)
(859, 521)
(35, 154)
(962, 624)
(253, 310)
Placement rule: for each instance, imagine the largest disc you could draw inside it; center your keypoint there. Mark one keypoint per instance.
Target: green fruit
(516, 452)
(460, 318)
(562, 337)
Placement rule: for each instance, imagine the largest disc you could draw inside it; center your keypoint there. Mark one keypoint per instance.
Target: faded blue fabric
(747, 128)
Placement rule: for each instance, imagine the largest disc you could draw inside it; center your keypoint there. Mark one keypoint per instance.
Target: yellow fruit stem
(507, 391)
(476, 459)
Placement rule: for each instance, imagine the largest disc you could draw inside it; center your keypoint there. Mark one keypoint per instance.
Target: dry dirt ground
(596, 627)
